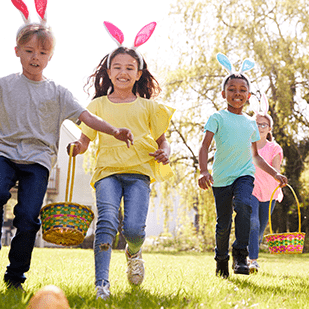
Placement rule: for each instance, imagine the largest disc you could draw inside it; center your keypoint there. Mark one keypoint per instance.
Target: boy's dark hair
(146, 87)
(43, 33)
(235, 76)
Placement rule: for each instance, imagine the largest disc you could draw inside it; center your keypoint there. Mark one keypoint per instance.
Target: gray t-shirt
(31, 114)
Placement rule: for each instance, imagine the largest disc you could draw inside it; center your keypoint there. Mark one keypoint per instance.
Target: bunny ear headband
(260, 107)
(40, 6)
(247, 65)
(142, 37)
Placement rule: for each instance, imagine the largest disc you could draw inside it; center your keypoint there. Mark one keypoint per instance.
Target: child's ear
(16, 51)
(223, 94)
(139, 74)
(109, 73)
(249, 96)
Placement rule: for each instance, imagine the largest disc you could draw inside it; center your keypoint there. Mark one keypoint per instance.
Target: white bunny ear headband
(247, 65)
(40, 6)
(260, 107)
(142, 37)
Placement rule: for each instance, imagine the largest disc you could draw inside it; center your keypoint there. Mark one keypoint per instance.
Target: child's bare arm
(205, 180)
(262, 164)
(162, 154)
(98, 124)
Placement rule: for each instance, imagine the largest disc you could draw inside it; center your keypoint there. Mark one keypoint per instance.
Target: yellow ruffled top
(147, 120)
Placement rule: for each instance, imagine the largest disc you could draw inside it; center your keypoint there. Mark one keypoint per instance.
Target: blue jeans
(259, 220)
(237, 196)
(135, 190)
(32, 184)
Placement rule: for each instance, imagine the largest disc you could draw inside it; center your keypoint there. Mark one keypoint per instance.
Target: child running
(32, 111)
(123, 91)
(235, 135)
(264, 184)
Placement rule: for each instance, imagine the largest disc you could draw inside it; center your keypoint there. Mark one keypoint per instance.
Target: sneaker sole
(241, 272)
(253, 271)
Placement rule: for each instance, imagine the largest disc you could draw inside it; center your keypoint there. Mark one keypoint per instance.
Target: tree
(275, 34)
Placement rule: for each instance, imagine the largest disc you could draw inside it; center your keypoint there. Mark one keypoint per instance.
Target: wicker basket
(288, 243)
(66, 223)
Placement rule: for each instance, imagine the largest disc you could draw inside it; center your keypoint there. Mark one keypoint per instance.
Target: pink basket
(288, 243)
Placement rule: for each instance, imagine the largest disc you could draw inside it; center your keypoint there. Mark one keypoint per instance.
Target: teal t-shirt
(233, 135)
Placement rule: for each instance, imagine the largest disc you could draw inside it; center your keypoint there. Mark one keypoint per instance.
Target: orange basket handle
(70, 176)
(298, 207)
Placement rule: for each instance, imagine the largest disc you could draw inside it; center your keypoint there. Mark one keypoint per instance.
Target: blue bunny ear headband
(247, 65)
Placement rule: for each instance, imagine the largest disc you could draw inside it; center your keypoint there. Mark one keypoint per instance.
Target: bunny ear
(115, 33)
(40, 6)
(144, 34)
(254, 104)
(247, 65)
(264, 104)
(225, 62)
(21, 6)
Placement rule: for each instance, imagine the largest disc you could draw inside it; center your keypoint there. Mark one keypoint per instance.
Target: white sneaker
(103, 292)
(135, 270)
(253, 267)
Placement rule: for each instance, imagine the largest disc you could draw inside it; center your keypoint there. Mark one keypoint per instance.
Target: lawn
(184, 280)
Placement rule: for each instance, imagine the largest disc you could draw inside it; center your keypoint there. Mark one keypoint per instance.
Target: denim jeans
(237, 196)
(259, 220)
(135, 190)
(32, 185)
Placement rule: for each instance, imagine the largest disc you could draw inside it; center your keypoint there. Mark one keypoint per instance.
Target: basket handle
(269, 213)
(70, 178)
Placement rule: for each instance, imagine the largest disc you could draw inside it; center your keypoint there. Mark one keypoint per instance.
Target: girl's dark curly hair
(146, 87)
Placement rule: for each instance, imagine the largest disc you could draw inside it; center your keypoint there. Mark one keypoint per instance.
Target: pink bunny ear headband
(40, 6)
(260, 107)
(141, 38)
(247, 65)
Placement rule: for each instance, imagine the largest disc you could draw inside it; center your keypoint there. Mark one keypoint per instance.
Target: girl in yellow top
(123, 89)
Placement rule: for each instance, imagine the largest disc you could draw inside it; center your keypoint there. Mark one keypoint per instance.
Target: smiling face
(124, 72)
(263, 125)
(236, 93)
(34, 58)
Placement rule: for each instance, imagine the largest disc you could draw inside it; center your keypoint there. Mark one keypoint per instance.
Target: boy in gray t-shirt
(32, 111)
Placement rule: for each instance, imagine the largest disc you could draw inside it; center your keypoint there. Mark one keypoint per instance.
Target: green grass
(184, 280)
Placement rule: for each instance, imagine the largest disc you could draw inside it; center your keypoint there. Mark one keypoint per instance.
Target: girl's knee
(134, 232)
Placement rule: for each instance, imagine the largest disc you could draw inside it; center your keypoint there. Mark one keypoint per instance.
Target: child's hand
(282, 179)
(124, 135)
(76, 149)
(160, 156)
(205, 181)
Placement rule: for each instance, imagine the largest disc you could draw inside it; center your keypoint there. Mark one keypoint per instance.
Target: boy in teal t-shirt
(235, 135)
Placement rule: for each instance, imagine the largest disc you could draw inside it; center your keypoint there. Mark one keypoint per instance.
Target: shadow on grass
(136, 298)
(273, 284)
(13, 299)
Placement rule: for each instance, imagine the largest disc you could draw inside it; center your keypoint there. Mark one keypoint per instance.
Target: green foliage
(275, 34)
(172, 281)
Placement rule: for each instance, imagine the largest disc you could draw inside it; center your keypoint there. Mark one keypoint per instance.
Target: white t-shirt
(31, 114)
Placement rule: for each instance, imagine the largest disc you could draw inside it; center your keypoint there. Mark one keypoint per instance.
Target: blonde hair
(43, 33)
(271, 123)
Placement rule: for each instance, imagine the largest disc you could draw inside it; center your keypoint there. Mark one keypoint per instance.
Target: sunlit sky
(81, 39)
